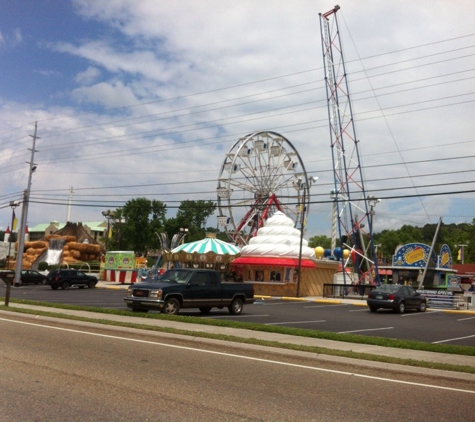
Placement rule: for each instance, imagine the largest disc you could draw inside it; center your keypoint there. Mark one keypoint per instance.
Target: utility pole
(69, 204)
(24, 212)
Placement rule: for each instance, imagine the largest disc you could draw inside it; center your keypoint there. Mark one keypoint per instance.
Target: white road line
(368, 329)
(235, 316)
(212, 352)
(294, 322)
(465, 319)
(452, 339)
(326, 305)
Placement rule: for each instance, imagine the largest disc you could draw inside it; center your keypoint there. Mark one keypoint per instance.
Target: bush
(43, 266)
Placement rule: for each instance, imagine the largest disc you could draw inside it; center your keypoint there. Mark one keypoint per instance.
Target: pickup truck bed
(189, 288)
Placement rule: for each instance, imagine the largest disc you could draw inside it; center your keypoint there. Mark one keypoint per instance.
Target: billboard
(119, 260)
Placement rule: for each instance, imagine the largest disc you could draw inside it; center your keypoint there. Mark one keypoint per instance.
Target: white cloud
(156, 56)
(17, 36)
(11, 40)
(108, 94)
(88, 76)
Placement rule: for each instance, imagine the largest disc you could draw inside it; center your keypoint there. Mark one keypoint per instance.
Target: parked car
(396, 297)
(189, 288)
(68, 278)
(32, 277)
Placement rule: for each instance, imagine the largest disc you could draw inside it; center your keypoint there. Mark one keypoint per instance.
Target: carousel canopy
(208, 244)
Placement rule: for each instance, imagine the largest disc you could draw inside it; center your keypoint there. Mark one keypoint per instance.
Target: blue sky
(31, 71)
(145, 98)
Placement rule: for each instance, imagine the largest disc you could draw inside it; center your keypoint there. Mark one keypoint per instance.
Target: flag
(15, 221)
(109, 235)
(459, 256)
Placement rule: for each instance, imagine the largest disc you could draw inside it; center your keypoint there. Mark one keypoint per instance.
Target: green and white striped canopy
(208, 245)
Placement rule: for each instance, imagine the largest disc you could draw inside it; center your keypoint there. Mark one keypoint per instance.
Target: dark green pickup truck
(189, 288)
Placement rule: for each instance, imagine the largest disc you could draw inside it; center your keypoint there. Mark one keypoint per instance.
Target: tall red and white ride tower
(353, 209)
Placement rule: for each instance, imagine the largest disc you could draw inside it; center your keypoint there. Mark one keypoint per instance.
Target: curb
(459, 312)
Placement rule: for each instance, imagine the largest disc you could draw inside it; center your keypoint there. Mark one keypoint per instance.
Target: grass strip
(348, 338)
(236, 339)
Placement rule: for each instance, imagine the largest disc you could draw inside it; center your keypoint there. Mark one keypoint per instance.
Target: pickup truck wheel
(205, 310)
(236, 307)
(91, 284)
(171, 307)
(65, 285)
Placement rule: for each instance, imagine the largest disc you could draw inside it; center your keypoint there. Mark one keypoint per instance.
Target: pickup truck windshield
(177, 276)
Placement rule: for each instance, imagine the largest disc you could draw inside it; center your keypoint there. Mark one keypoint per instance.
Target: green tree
(134, 227)
(469, 240)
(219, 234)
(195, 213)
(324, 241)
(450, 234)
(193, 216)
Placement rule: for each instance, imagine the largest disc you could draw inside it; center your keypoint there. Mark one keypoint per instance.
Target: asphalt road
(56, 371)
(433, 326)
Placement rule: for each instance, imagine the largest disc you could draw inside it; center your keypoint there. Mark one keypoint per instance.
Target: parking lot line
(465, 319)
(368, 329)
(235, 316)
(318, 306)
(452, 339)
(294, 322)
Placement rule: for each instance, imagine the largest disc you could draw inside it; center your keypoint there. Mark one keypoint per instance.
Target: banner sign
(119, 260)
(445, 257)
(414, 255)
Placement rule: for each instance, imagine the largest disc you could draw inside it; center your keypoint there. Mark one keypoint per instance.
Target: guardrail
(350, 291)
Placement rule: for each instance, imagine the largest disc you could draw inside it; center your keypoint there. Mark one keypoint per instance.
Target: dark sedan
(396, 297)
(32, 277)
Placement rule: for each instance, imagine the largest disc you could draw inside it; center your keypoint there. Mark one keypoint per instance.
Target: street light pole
(305, 186)
(462, 250)
(184, 232)
(108, 215)
(372, 201)
(13, 204)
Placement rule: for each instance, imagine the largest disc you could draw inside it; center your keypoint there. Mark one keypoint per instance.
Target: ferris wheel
(262, 173)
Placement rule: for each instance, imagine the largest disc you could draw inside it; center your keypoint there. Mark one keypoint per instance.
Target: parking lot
(433, 326)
